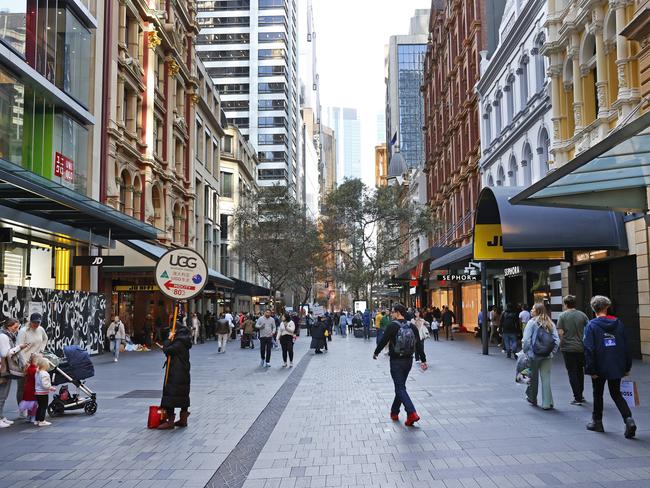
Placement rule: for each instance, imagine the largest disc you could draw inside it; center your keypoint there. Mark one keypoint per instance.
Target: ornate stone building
(451, 127)
(594, 72)
(150, 94)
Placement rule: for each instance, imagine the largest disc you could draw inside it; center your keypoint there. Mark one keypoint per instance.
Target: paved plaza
(325, 424)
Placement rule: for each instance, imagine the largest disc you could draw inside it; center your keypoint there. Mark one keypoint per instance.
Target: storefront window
(73, 57)
(13, 24)
(71, 144)
(11, 117)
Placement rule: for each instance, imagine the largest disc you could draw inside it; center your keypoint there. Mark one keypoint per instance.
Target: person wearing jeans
(223, 332)
(571, 327)
(401, 362)
(509, 325)
(266, 327)
(607, 360)
(116, 334)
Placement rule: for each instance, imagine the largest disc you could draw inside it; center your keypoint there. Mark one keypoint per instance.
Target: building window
(157, 136)
(158, 211)
(223, 223)
(501, 176)
(540, 66)
(225, 261)
(137, 198)
(522, 71)
(227, 144)
(526, 162)
(497, 115)
(510, 99)
(226, 185)
(542, 150)
(197, 141)
(512, 172)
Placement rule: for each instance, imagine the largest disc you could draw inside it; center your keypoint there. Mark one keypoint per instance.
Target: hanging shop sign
(135, 288)
(98, 261)
(181, 274)
(512, 271)
(488, 246)
(458, 277)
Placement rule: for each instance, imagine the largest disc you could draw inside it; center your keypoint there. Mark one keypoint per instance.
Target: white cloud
(352, 37)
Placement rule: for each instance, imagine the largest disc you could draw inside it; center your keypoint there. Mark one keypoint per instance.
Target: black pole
(484, 312)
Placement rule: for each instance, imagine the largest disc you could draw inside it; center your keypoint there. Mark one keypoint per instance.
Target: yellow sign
(136, 288)
(488, 246)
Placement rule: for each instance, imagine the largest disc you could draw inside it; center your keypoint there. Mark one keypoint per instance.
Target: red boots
(411, 419)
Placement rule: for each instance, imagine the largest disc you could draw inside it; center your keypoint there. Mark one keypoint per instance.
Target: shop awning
(249, 289)
(30, 194)
(534, 232)
(431, 253)
(614, 174)
(154, 252)
(456, 256)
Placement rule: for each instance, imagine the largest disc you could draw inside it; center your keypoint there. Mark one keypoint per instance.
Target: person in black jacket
(401, 363)
(607, 360)
(318, 341)
(510, 326)
(176, 389)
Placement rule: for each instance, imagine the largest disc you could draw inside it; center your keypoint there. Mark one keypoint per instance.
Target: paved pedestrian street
(325, 424)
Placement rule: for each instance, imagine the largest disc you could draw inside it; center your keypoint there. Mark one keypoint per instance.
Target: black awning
(27, 192)
(529, 229)
(456, 256)
(249, 289)
(431, 253)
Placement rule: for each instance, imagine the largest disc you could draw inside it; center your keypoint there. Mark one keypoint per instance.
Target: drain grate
(142, 394)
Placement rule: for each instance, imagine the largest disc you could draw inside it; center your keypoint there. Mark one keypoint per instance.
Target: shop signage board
(458, 277)
(135, 288)
(512, 271)
(181, 274)
(64, 167)
(98, 261)
(488, 246)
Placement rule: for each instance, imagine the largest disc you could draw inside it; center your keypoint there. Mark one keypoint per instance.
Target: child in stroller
(74, 368)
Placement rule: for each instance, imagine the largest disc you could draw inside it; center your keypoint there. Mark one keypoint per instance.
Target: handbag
(157, 416)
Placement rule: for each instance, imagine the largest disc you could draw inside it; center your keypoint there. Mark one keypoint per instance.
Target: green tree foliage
(369, 230)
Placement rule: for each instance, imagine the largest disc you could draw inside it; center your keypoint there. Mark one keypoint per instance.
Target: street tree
(369, 230)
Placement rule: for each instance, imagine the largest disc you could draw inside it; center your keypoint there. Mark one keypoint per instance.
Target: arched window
(588, 61)
(158, 212)
(526, 161)
(179, 224)
(512, 171)
(542, 150)
(497, 114)
(522, 71)
(487, 124)
(510, 98)
(501, 176)
(540, 67)
(490, 181)
(125, 193)
(137, 198)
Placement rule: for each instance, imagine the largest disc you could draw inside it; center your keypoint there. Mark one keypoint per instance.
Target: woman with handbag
(11, 365)
(116, 335)
(286, 335)
(176, 389)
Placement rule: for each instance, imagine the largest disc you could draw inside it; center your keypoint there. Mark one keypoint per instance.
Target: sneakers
(576, 402)
(291, 365)
(394, 417)
(114, 360)
(597, 426)
(284, 365)
(411, 418)
(43, 423)
(262, 363)
(268, 365)
(6, 421)
(3, 424)
(630, 428)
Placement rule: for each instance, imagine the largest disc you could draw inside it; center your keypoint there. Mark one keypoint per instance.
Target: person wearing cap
(35, 336)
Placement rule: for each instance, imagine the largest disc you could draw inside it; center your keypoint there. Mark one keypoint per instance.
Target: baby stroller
(75, 368)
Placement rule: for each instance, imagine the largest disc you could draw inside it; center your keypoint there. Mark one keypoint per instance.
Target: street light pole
(484, 306)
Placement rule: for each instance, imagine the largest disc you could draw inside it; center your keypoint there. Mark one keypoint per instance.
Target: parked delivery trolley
(74, 368)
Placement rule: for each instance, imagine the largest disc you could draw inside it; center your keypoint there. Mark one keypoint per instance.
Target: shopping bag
(630, 393)
(157, 416)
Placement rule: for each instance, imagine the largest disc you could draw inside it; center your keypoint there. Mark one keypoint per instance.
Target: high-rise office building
(404, 77)
(347, 127)
(250, 49)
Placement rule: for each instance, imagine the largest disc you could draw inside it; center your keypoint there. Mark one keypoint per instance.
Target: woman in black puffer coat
(176, 390)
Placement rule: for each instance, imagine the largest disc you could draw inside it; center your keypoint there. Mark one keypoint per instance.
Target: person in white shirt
(196, 327)
(116, 334)
(286, 334)
(266, 327)
(11, 364)
(34, 335)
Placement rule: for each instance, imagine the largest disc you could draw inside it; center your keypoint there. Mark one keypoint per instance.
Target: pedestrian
(423, 330)
(158, 330)
(524, 315)
(286, 336)
(510, 327)
(571, 329)
(437, 313)
(318, 339)
(116, 335)
(265, 326)
(274, 338)
(11, 363)
(223, 331)
(607, 360)
(366, 324)
(176, 389)
(248, 330)
(540, 342)
(29, 403)
(435, 326)
(329, 322)
(378, 316)
(34, 335)
(309, 321)
(148, 330)
(196, 328)
(495, 319)
(403, 340)
(343, 324)
(447, 319)
(43, 387)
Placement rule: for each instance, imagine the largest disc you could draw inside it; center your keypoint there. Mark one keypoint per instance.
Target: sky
(352, 36)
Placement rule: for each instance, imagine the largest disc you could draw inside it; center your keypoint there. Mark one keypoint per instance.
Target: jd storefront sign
(488, 246)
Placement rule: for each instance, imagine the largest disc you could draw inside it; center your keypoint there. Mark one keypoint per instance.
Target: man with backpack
(403, 341)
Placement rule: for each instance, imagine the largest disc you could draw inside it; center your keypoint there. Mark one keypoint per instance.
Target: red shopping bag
(157, 416)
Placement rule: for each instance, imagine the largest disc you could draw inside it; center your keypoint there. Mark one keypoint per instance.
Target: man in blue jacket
(607, 359)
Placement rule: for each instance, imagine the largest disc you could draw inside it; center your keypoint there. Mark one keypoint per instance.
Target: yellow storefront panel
(488, 246)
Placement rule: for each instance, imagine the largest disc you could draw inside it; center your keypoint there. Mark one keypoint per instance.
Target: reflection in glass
(13, 24)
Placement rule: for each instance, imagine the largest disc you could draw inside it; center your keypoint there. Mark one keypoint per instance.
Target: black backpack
(543, 342)
(405, 340)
